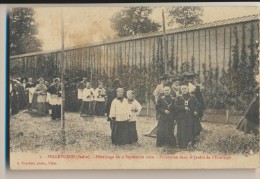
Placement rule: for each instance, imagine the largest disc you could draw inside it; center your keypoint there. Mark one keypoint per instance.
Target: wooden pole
(63, 140)
(164, 46)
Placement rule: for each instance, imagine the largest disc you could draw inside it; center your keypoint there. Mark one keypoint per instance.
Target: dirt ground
(29, 133)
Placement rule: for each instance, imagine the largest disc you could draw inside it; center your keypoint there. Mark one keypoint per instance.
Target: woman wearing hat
(158, 92)
(40, 90)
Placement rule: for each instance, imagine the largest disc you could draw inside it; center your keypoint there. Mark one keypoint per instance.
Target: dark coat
(197, 93)
(165, 127)
(252, 113)
(188, 125)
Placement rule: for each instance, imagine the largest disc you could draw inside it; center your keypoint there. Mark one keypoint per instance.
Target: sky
(86, 25)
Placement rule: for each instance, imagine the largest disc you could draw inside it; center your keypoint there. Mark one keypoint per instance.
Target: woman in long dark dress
(13, 98)
(21, 94)
(165, 127)
(250, 121)
(186, 109)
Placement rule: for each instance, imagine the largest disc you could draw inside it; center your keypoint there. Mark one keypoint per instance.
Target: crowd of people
(179, 106)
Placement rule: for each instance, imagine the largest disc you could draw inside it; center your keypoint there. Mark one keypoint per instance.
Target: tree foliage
(23, 31)
(185, 15)
(134, 21)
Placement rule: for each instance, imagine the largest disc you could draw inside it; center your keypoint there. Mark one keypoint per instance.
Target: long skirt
(100, 108)
(87, 108)
(34, 101)
(14, 104)
(120, 133)
(165, 133)
(133, 137)
(41, 109)
(79, 104)
(247, 126)
(197, 128)
(56, 111)
(184, 131)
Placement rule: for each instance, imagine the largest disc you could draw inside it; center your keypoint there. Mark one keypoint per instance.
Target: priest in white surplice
(120, 116)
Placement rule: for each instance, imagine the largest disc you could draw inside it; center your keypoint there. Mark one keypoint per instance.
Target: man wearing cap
(120, 115)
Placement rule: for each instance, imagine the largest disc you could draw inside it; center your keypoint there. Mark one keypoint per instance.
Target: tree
(23, 31)
(133, 21)
(185, 15)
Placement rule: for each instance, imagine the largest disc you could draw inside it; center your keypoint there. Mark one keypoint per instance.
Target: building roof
(249, 18)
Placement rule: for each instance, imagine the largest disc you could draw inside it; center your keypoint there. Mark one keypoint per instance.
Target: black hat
(66, 78)
(168, 83)
(176, 78)
(184, 83)
(188, 74)
(162, 77)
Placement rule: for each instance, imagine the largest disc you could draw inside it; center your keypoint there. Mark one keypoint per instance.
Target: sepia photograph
(133, 87)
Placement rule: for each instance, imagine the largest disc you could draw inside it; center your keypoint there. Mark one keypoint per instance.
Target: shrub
(226, 140)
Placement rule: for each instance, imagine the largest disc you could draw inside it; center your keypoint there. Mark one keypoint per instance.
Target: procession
(179, 106)
(188, 90)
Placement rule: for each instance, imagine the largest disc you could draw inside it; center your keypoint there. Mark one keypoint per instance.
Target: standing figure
(88, 98)
(73, 96)
(55, 99)
(134, 109)
(194, 89)
(250, 120)
(100, 99)
(158, 92)
(81, 86)
(13, 97)
(120, 115)
(111, 95)
(165, 128)
(30, 88)
(186, 109)
(21, 94)
(40, 90)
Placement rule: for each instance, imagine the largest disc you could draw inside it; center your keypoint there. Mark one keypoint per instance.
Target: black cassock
(251, 120)
(22, 101)
(71, 97)
(197, 93)
(165, 127)
(188, 126)
(14, 101)
(55, 108)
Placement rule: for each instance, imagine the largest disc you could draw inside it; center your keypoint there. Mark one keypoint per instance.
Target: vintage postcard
(133, 87)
